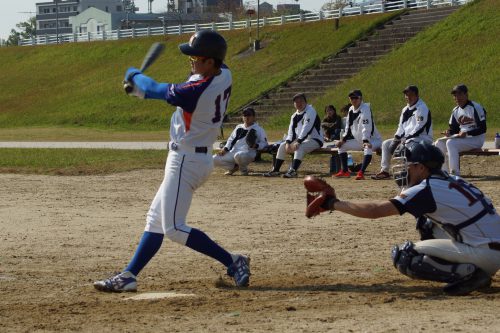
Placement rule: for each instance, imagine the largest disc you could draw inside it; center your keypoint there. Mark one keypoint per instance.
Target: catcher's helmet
(205, 43)
(419, 152)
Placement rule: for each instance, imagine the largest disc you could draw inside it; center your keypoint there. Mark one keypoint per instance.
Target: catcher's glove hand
(251, 138)
(320, 196)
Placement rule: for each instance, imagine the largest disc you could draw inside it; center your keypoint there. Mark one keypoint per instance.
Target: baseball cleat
(240, 271)
(342, 174)
(272, 174)
(232, 171)
(477, 280)
(360, 175)
(124, 281)
(290, 174)
(381, 175)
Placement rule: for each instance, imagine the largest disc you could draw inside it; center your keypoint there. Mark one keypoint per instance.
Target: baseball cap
(248, 112)
(355, 93)
(412, 88)
(459, 88)
(302, 95)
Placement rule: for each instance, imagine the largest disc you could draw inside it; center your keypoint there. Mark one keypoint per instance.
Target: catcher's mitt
(251, 138)
(320, 196)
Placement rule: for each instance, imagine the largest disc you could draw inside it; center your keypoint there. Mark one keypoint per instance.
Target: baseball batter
(467, 129)
(201, 103)
(415, 124)
(360, 134)
(242, 145)
(304, 135)
(460, 228)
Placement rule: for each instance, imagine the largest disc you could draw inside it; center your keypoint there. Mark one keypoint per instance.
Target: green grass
(79, 161)
(463, 48)
(79, 84)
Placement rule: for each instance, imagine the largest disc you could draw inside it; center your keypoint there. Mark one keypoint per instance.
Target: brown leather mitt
(320, 196)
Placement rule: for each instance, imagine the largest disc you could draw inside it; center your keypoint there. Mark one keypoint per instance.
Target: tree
(335, 4)
(27, 31)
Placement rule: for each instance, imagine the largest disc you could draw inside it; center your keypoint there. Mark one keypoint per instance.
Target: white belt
(174, 146)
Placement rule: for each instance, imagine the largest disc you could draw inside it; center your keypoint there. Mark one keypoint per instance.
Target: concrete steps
(348, 62)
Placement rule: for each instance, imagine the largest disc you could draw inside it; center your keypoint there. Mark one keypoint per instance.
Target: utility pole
(256, 45)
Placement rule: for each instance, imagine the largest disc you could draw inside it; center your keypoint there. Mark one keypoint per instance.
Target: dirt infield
(332, 273)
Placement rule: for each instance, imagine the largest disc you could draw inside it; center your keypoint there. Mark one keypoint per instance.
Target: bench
(482, 152)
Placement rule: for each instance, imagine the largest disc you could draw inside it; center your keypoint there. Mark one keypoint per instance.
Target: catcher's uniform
(360, 129)
(466, 226)
(238, 151)
(471, 119)
(415, 124)
(305, 128)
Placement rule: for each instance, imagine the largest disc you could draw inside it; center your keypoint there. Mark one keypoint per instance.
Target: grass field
(463, 48)
(79, 84)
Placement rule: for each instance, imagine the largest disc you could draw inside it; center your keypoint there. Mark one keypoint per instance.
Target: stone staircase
(341, 66)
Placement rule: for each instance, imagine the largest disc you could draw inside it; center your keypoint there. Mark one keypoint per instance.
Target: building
(265, 9)
(54, 17)
(203, 6)
(288, 9)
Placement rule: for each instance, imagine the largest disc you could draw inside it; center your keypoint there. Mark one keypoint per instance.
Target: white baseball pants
(453, 146)
(185, 171)
(353, 144)
(305, 147)
(242, 158)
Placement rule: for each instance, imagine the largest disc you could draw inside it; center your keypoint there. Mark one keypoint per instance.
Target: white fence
(385, 6)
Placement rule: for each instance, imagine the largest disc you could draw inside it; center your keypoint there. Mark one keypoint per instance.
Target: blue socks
(200, 242)
(366, 162)
(148, 246)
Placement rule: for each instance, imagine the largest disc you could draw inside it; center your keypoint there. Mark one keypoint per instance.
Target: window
(118, 8)
(46, 10)
(54, 10)
(106, 9)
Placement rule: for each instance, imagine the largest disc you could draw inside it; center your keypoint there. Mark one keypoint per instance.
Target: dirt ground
(329, 274)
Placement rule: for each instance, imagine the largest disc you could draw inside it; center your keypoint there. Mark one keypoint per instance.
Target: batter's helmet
(205, 43)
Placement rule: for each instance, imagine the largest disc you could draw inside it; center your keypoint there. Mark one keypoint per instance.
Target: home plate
(149, 296)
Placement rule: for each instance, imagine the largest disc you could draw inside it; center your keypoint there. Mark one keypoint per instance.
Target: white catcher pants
(451, 147)
(242, 158)
(450, 250)
(184, 173)
(305, 147)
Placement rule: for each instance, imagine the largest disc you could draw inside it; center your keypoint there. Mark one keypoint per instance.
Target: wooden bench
(482, 152)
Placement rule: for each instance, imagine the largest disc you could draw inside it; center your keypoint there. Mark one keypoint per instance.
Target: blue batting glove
(129, 75)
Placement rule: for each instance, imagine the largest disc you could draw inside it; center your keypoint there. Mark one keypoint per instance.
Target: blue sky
(12, 10)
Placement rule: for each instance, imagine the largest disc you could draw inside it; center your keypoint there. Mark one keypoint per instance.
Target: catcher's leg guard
(423, 267)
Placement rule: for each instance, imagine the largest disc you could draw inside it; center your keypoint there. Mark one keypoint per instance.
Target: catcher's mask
(415, 152)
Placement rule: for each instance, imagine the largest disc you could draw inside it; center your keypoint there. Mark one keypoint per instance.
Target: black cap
(355, 93)
(459, 88)
(302, 95)
(412, 88)
(248, 112)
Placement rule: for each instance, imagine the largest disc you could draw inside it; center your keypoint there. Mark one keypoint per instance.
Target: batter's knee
(178, 235)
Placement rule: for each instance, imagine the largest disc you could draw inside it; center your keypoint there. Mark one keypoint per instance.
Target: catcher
(459, 227)
(241, 147)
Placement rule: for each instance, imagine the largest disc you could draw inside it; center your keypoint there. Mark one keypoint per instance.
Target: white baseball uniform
(466, 225)
(415, 124)
(201, 103)
(471, 119)
(305, 128)
(360, 129)
(237, 150)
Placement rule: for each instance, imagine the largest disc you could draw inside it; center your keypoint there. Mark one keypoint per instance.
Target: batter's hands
(321, 196)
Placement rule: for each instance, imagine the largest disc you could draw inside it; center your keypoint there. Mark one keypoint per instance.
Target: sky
(15, 11)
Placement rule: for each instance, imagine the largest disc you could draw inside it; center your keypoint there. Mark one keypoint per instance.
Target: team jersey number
(225, 98)
(470, 192)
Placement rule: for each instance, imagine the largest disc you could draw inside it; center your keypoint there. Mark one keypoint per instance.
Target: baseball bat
(154, 52)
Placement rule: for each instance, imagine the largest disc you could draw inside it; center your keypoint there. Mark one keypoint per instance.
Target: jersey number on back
(468, 190)
(218, 115)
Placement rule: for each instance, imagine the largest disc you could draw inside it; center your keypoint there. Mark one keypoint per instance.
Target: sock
(278, 164)
(148, 246)
(366, 161)
(200, 242)
(343, 161)
(296, 164)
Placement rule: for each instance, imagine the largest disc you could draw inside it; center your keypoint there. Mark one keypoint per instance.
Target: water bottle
(497, 141)
(350, 161)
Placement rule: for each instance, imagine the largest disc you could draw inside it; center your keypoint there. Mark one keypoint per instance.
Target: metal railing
(382, 7)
